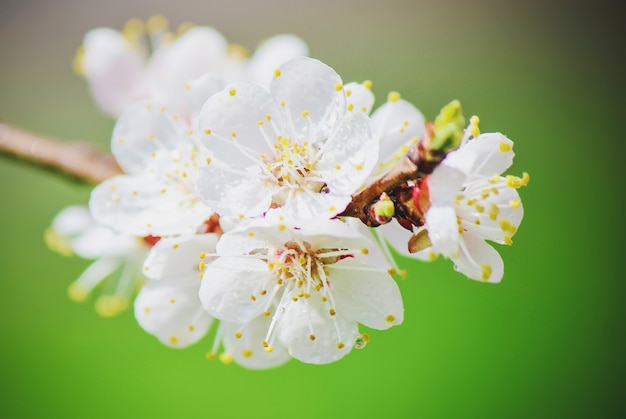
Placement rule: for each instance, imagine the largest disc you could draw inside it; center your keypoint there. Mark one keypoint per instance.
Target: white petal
(488, 154)
(479, 261)
(175, 257)
(359, 97)
(444, 184)
(495, 211)
(396, 125)
(100, 241)
(170, 310)
(145, 136)
(198, 91)
(248, 349)
(310, 86)
(198, 51)
(114, 70)
(443, 230)
(230, 120)
(334, 335)
(228, 284)
(349, 155)
(72, 221)
(143, 205)
(233, 192)
(366, 294)
(396, 235)
(272, 53)
(306, 205)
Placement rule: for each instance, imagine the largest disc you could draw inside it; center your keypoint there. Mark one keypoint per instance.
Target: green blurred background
(546, 342)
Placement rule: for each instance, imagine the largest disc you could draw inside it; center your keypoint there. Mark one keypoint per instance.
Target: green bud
(448, 128)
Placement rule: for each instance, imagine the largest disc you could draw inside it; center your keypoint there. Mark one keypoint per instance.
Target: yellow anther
(260, 123)
(151, 137)
(507, 240)
(350, 107)
(479, 208)
(269, 348)
(146, 310)
(250, 233)
(324, 298)
(184, 174)
(432, 256)
(525, 179)
(332, 208)
(305, 114)
(263, 292)
(332, 312)
(202, 255)
(367, 84)
(506, 225)
(393, 97)
(392, 271)
(173, 340)
(232, 92)
(515, 203)
(340, 345)
(163, 108)
(268, 117)
(277, 72)
(191, 328)
(477, 222)
(201, 266)
(504, 147)
(266, 313)
(77, 292)
(226, 358)
(135, 193)
(282, 103)
(358, 166)
(233, 134)
(210, 355)
(157, 23)
(493, 212)
(187, 86)
(348, 92)
(338, 87)
(252, 297)
(208, 160)
(281, 227)
(238, 335)
(175, 246)
(486, 271)
(172, 301)
(390, 318)
(365, 250)
(207, 131)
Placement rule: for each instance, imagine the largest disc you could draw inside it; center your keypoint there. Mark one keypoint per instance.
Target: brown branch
(80, 162)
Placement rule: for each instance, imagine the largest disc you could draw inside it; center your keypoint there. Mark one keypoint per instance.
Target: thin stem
(79, 162)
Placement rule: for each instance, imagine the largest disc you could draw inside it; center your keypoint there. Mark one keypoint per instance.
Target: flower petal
(365, 294)
(359, 98)
(228, 284)
(349, 154)
(488, 154)
(145, 136)
(196, 52)
(144, 205)
(174, 257)
(245, 344)
(272, 53)
(114, 69)
(312, 95)
(171, 311)
(333, 336)
(443, 230)
(233, 192)
(397, 125)
(478, 260)
(198, 91)
(231, 120)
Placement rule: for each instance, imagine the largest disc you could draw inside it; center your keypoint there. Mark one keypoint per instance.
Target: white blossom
(297, 147)
(312, 279)
(149, 62)
(117, 259)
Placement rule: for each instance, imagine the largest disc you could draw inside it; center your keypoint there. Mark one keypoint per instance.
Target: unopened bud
(383, 210)
(448, 128)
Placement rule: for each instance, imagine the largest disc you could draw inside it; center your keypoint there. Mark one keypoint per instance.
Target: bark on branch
(80, 162)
